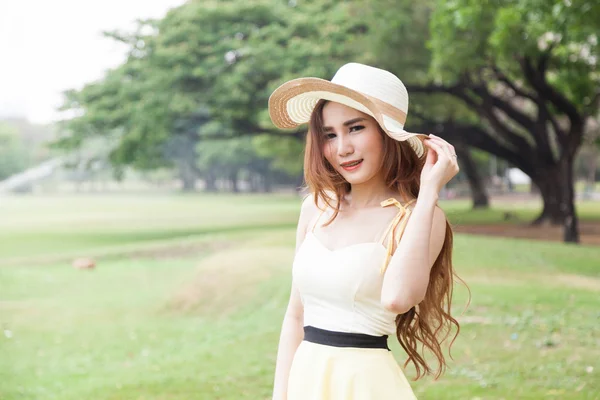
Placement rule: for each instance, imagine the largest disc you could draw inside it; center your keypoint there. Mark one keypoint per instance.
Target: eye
(356, 128)
(330, 135)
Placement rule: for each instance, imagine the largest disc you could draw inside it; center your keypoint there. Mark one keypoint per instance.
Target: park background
(147, 228)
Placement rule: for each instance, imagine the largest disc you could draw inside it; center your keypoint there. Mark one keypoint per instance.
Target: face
(353, 143)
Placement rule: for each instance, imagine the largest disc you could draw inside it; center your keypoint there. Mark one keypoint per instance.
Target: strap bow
(391, 232)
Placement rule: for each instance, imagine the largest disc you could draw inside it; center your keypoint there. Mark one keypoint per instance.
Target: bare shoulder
(309, 213)
(308, 203)
(308, 210)
(439, 218)
(438, 229)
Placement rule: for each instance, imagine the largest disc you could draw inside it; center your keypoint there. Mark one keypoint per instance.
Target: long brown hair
(430, 322)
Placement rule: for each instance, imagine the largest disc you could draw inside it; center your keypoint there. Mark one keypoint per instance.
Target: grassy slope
(204, 323)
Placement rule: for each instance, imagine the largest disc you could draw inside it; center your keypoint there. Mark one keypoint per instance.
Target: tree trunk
(187, 176)
(567, 203)
(267, 182)
(549, 188)
(557, 189)
(480, 198)
(210, 182)
(233, 178)
(254, 180)
(189, 183)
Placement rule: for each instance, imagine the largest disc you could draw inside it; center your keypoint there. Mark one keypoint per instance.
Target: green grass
(187, 300)
(30, 226)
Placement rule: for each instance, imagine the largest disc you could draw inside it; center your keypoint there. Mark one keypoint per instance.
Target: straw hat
(374, 91)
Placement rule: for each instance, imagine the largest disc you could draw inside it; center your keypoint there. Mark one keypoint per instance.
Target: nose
(344, 146)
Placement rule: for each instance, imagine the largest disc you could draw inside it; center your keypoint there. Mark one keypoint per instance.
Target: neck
(369, 194)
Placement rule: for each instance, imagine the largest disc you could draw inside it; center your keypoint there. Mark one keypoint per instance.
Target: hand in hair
(440, 165)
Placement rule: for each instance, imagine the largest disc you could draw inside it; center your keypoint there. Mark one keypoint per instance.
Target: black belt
(344, 339)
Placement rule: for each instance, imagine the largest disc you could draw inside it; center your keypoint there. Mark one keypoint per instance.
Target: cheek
(374, 144)
(328, 152)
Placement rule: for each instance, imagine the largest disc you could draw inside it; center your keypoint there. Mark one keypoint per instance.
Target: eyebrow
(347, 123)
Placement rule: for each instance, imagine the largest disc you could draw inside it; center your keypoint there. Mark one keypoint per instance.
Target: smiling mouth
(350, 165)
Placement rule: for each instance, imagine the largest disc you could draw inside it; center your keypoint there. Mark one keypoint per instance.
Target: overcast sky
(47, 46)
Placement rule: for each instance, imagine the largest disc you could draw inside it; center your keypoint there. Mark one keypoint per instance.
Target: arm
(292, 329)
(292, 333)
(407, 276)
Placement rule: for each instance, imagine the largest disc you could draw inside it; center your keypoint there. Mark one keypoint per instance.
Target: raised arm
(407, 275)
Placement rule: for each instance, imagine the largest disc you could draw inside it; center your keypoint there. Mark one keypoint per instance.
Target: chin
(357, 178)
(355, 181)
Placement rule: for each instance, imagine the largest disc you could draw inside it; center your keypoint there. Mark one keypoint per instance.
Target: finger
(441, 153)
(448, 148)
(441, 140)
(445, 144)
(431, 155)
(435, 146)
(454, 158)
(438, 147)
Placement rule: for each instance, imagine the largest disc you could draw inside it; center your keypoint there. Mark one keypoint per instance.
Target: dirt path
(589, 231)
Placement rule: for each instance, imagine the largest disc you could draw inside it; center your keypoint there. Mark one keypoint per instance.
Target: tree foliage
(14, 156)
(210, 61)
(517, 79)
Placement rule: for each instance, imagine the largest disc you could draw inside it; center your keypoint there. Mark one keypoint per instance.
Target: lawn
(188, 295)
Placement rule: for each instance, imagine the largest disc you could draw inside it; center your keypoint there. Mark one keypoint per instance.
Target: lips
(351, 165)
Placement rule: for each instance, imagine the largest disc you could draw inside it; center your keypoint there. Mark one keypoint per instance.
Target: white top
(341, 289)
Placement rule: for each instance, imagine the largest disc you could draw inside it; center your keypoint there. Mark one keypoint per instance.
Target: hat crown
(374, 82)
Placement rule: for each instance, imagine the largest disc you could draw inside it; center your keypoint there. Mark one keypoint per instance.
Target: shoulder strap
(399, 222)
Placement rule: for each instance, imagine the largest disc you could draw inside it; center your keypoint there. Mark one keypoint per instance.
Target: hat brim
(292, 104)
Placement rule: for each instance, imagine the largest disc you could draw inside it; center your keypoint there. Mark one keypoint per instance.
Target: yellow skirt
(321, 372)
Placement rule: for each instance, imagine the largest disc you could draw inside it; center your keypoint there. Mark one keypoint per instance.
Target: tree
(227, 159)
(525, 71)
(527, 67)
(399, 44)
(219, 58)
(469, 166)
(14, 156)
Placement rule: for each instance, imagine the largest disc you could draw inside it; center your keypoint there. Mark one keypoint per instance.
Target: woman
(354, 281)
